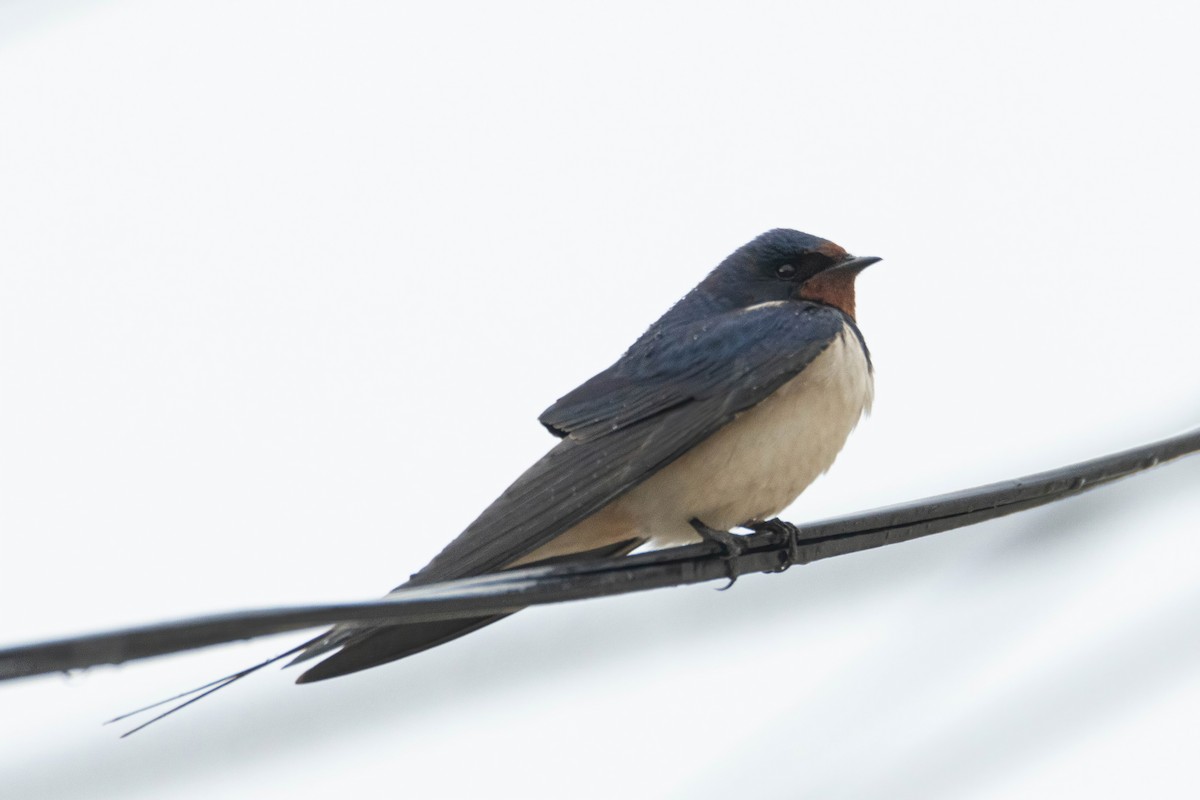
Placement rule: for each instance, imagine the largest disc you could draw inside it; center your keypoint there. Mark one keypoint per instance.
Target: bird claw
(792, 554)
(731, 547)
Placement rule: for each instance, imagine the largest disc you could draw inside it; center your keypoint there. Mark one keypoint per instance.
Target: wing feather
(669, 392)
(635, 418)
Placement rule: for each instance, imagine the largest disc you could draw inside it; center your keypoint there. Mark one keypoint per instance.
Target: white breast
(759, 463)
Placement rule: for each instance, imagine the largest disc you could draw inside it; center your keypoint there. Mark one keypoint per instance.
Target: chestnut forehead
(832, 251)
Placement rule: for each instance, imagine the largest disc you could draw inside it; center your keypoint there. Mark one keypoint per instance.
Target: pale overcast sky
(284, 286)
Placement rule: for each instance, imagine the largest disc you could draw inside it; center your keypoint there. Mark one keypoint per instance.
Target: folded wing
(670, 391)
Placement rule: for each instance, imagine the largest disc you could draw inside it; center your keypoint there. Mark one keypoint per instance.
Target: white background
(283, 287)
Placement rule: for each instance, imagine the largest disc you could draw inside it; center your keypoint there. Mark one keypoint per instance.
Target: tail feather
(200, 692)
(360, 648)
(391, 644)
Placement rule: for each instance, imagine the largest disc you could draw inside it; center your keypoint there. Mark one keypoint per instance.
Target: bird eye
(785, 271)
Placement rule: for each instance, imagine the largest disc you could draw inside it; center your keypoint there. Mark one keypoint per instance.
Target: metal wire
(767, 551)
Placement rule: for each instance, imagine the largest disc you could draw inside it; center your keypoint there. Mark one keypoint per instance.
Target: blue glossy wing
(669, 392)
(664, 396)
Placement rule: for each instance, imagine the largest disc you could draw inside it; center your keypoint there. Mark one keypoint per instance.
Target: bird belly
(748, 471)
(757, 465)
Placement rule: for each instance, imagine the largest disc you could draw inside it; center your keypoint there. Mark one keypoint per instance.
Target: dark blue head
(783, 265)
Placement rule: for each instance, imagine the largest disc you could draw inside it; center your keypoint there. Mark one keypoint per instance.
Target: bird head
(783, 264)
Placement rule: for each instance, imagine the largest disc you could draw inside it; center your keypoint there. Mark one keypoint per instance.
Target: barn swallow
(718, 417)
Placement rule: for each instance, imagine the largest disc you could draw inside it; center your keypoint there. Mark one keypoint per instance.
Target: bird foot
(730, 544)
(792, 554)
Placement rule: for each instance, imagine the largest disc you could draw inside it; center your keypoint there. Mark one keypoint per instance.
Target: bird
(717, 417)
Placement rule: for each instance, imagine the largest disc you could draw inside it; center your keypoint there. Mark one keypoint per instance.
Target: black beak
(857, 264)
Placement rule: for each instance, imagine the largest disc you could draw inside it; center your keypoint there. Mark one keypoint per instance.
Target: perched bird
(718, 417)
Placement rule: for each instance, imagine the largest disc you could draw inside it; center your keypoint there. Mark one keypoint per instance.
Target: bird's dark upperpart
(780, 264)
